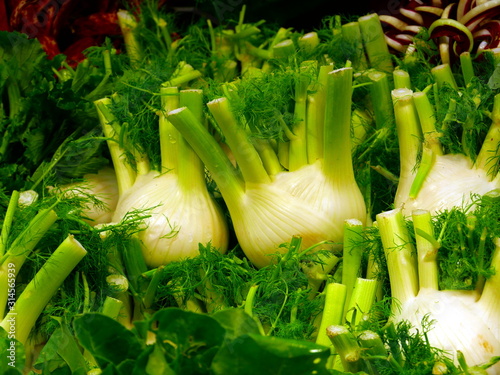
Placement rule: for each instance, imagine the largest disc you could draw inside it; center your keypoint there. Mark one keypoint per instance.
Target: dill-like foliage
(282, 303)
(227, 274)
(467, 243)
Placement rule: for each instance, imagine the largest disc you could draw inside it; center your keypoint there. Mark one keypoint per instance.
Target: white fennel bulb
(334, 198)
(178, 219)
(266, 216)
(179, 212)
(456, 323)
(454, 320)
(430, 179)
(268, 205)
(102, 187)
(452, 182)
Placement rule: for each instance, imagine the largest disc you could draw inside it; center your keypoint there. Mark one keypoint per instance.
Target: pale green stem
(316, 116)
(20, 249)
(168, 134)
(140, 159)
(244, 151)
(184, 78)
(249, 301)
(372, 343)
(374, 348)
(298, 144)
(268, 155)
(374, 42)
(337, 128)
(7, 221)
(112, 307)
(466, 66)
(213, 300)
(162, 25)
(42, 287)
(401, 79)
(487, 159)
(283, 152)
(380, 94)
(283, 49)
(373, 270)
(191, 170)
(426, 164)
(427, 249)
(309, 41)
(206, 147)
(352, 255)
(361, 301)
(443, 75)
(248, 307)
(150, 293)
(394, 344)
(427, 120)
(257, 52)
(213, 39)
(451, 114)
(336, 25)
(125, 174)
(317, 272)
(333, 310)
(347, 347)
(409, 139)
(245, 33)
(101, 87)
(128, 26)
(400, 255)
(351, 32)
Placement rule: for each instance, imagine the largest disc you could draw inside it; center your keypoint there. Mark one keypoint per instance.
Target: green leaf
(190, 340)
(106, 339)
(61, 351)
(254, 354)
(152, 362)
(13, 357)
(494, 80)
(236, 322)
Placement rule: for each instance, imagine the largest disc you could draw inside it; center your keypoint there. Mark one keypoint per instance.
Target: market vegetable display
(244, 198)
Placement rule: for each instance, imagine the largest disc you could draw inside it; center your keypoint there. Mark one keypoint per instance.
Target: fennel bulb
(178, 218)
(102, 188)
(180, 212)
(460, 320)
(430, 179)
(451, 182)
(268, 204)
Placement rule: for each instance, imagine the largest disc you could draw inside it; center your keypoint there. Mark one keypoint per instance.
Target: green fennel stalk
(40, 290)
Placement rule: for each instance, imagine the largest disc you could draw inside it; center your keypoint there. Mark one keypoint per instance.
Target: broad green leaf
(152, 361)
(236, 322)
(190, 340)
(61, 351)
(254, 354)
(12, 357)
(106, 339)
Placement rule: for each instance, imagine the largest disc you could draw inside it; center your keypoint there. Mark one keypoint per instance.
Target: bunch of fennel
(436, 175)
(302, 185)
(463, 323)
(182, 213)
